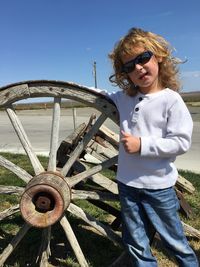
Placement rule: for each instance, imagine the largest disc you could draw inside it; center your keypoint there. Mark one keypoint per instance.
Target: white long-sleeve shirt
(164, 124)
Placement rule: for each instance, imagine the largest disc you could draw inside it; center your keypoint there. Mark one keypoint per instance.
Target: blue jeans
(139, 206)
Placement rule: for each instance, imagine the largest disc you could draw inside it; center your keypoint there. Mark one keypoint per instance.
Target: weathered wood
(98, 178)
(86, 174)
(17, 92)
(45, 199)
(90, 123)
(74, 137)
(184, 185)
(44, 251)
(67, 90)
(24, 140)
(22, 174)
(109, 135)
(105, 182)
(75, 154)
(102, 150)
(8, 212)
(11, 93)
(11, 190)
(68, 145)
(54, 135)
(106, 143)
(75, 92)
(92, 156)
(13, 244)
(101, 228)
(74, 117)
(185, 208)
(191, 230)
(73, 242)
(83, 194)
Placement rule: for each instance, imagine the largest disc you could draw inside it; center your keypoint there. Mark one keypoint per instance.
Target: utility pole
(95, 73)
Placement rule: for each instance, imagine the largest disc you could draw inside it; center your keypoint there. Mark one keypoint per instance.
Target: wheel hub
(45, 199)
(44, 202)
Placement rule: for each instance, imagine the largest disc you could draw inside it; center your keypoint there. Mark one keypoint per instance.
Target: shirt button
(136, 109)
(140, 98)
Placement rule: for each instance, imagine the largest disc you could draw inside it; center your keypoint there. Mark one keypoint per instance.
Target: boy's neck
(146, 91)
(155, 87)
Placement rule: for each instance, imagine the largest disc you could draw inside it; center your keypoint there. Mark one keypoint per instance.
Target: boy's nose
(138, 66)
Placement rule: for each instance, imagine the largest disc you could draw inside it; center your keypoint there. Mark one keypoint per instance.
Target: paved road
(37, 125)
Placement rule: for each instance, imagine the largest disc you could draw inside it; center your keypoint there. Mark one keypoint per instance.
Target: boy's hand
(131, 143)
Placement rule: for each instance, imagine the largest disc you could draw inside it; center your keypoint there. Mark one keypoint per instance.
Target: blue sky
(60, 39)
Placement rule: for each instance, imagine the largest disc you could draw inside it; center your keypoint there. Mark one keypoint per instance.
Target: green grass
(98, 250)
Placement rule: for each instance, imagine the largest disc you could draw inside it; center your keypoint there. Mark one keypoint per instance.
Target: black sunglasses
(140, 59)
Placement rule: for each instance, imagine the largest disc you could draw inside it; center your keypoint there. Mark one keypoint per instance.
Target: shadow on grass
(94, 246)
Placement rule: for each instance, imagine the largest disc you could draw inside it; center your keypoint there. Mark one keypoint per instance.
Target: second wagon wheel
(49, 193)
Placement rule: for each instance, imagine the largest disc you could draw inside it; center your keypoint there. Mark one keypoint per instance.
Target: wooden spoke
(24, 140)
(83, 194)
(79, 177)
(44, 251)
(13, 244)
(105, 182)
(22, 174)
(73, 242)
(8, 212)
(11, 190)
(54, 135)
(99, 179)
(101, 228)
(74, 155)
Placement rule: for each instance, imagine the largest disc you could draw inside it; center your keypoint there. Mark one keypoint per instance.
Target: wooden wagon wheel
(49, 193)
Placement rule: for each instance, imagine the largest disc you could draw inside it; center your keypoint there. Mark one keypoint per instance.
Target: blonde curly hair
(168, 71)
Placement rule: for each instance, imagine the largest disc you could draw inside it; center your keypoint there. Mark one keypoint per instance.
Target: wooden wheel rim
(57, 89)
